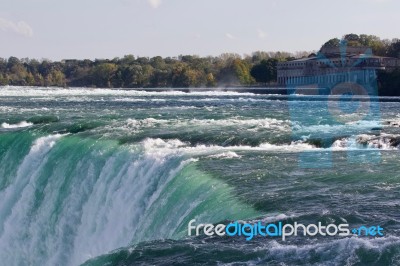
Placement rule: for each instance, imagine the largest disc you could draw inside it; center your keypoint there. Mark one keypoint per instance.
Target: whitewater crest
(46, 92)
(264, 123)
(21, 124)
(365, 141)
(16, 199)
(226, 155)
(138, 166)
(63, 208)
(176, 146)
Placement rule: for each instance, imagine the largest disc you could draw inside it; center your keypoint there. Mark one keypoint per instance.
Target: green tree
(30, 79)
(103, 73)
(378, 46)
(266, 71)
(39, 80)
(352, 39)
(389, 82)
(210, 80)
(160, 78)
(128, 60)
(394, 49)
(242, 71)
(16, 71)
(335, 42)
(3, 79)
(179, 78)
(3, 65)
(55, 78)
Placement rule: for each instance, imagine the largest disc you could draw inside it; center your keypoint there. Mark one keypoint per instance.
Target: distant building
(332, 66)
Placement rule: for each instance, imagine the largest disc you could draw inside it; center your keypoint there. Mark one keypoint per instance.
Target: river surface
(113, 177)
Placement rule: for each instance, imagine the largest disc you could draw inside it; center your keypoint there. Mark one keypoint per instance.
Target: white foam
(119, 199)
(148, 122)
(177, 147)
(16, 201)
(262, 123)
(226, 155)
(7, 109)
(327, 128)
(392, 123)
(364, 141)
(70, 92)
(341, 250)
(293, 147)
(21, 124)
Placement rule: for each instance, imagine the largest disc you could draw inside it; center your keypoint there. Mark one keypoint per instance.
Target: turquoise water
(112, 177)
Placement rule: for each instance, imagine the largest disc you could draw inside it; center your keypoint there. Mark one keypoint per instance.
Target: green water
(112, 177)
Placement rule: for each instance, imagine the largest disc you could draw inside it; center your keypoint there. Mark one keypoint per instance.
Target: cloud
(229, 36)
(261, 34)
(20, 27)
(154, 3)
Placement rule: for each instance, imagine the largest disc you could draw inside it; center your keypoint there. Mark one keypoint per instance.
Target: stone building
(331, 66)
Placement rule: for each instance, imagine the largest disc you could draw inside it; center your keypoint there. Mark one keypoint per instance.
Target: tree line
(137, 72)
(379, 47)
(184, 71)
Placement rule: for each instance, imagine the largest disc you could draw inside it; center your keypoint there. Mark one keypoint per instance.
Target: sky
(55, 29)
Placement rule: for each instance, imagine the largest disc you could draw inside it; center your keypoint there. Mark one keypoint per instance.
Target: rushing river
(113, 177)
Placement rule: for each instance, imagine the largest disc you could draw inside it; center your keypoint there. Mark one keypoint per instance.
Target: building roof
(304, 59)
(352, 56)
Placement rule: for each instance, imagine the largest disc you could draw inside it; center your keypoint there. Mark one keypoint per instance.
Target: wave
(194, 100)
(225, 155)
(7, 109)
(359, 126)
(21, 124)
(392, 123)
(346, 251)
(176, 146)
(358, 142)
(283, 125)
(44, 119)
(41, 91)
(350, 251)
(129, 194)
(364, 141)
